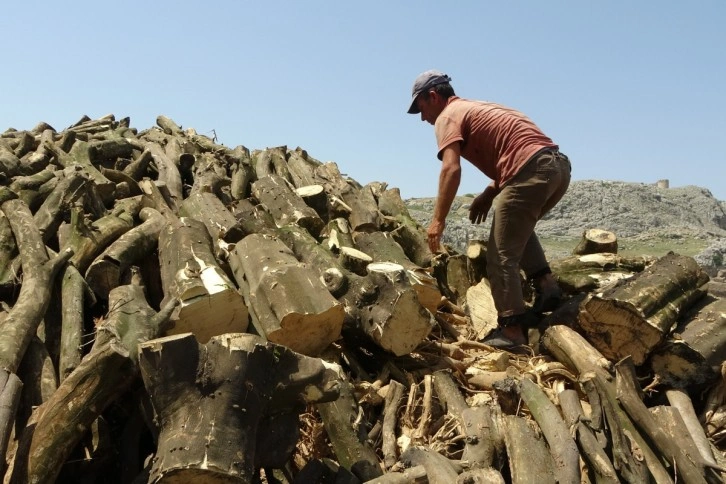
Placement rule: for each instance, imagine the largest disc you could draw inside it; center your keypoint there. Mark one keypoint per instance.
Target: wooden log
(574, 351)
(75, 295)
(168, 173)
(483, 475)
(108, 269)
(103, 375)
(597, 241)
(10, 393)
(345, 426)
(561, 445)
(271, 162)
(439, 470)
(56, 205)
(397, 321)
(593, 453)
(480, 446)
(288, 302)
(680, 400)
(590, 272)
(241, 174)
(18, 328)
(301, 167)
(690, 468)
(315, 197)
(481, 309)
(529, 459)
(136, 170)
(694, 354)
(382, 248)
(354, 260)
(338, 234)
(635, 317)
(209, 209)
(394, 395)
(231, 372)
(191, 275)
(253, 219)
(78, 157)
(409, 234)
(452, 274)
(285, 205)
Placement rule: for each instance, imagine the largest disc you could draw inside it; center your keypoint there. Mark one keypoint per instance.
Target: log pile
(175, 310)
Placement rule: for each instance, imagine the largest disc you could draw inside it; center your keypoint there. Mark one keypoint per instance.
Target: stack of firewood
(177, 310)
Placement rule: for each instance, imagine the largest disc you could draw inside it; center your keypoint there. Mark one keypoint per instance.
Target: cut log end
(309, 334)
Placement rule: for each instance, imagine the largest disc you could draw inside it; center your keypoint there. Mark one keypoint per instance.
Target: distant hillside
(633, 211)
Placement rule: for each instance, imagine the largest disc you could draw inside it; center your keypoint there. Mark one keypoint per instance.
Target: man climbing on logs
(529, 175)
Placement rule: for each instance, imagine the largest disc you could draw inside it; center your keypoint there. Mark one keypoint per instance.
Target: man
(529, 176)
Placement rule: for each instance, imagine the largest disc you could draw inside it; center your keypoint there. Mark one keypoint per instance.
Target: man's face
(429, 106)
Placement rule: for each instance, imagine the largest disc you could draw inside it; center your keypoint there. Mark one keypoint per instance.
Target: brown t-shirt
(496, 139)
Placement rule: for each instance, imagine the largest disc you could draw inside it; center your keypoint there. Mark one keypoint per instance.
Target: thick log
(636, 316)
(108, 269)
(241, 173)
(529, 459)
(595, 241)
(695, 352)
(484, 475)
(103, 375)
(315, 197)
(271, 162)
(289, 303)
(301, 167)
(168, 173)
(480, 447)
(191, 275)
(561, 445)
(397, 322)
(38, 375)
(235, 379)
(18, 328)
(209, 209)
(689, 467)
(409, 234)
(285, 205)
(253, 219)
(382, 248)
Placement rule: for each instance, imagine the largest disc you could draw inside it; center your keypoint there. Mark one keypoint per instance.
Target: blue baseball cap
(424, 81)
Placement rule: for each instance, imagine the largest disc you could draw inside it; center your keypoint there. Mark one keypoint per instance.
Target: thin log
(390, 409)
(529, 459)
(598, 460)
(680, 400)
(480, 446)
(75, 293)
(18, 328)
(103, 375)
(439, 470)
(690, 468)
(10, 393)
(562, 446)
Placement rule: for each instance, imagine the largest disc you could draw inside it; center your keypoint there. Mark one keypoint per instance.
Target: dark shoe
(547, 302)
(526, 320)
(499, 341)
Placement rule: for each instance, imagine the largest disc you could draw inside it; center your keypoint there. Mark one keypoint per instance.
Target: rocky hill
(640, 214)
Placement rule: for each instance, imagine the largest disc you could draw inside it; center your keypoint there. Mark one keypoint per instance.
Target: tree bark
(529, 459)
(285, 205)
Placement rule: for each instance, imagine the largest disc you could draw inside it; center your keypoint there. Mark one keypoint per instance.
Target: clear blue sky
(631, 91)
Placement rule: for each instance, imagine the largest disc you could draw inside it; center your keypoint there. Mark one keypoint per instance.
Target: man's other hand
(481, 205)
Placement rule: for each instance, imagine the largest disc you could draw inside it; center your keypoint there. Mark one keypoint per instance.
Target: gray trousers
(513, 245)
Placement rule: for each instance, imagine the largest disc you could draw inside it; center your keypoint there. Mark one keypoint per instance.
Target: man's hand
(436, 229)
(481, 205)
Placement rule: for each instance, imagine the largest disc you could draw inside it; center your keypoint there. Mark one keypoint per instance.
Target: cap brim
(414, 107)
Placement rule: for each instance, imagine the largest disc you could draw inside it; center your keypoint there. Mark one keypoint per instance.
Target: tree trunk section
(233, 381)
(289, 303)
(595, 241)
(190, 274)
(529, 459)
(636, 316)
